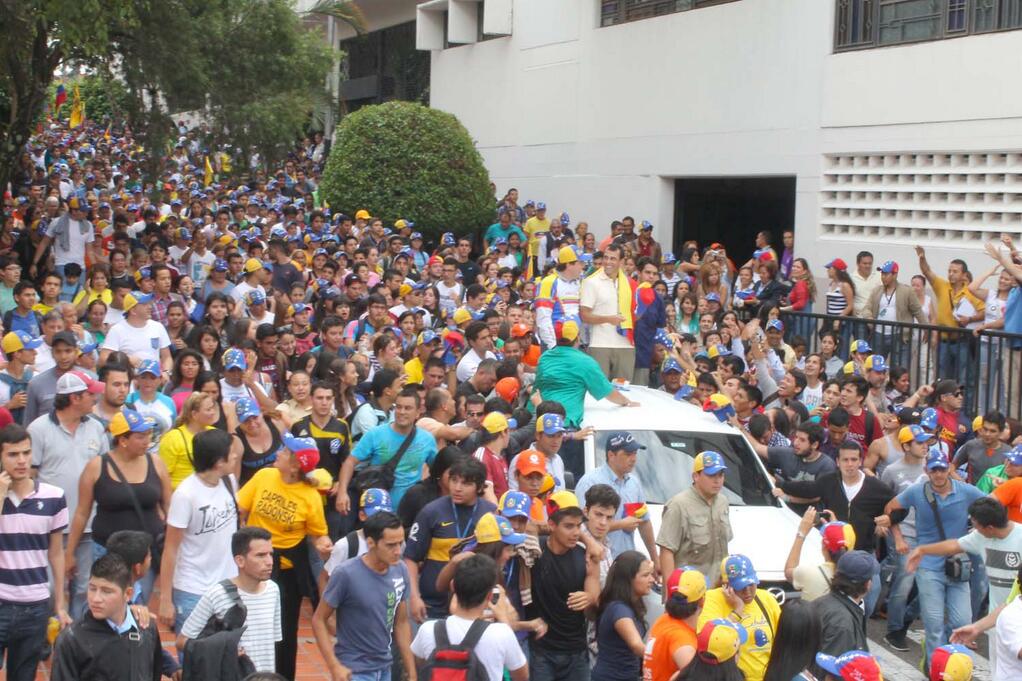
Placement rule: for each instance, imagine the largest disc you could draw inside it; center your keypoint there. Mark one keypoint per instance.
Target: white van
(673, 432)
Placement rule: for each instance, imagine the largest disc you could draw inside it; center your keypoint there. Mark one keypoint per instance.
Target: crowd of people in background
(221, 397)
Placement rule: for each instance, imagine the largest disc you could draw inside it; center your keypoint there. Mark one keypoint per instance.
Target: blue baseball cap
(448, 239)
(255, 297)
(889, 267)
(219, 265)
(235, 359)
(708, 462)
(540, 205)
(936, 458)
(646, 226)
(130, 421)
(773, 324)
(671, 365)
(299, 308)
(716, 298)
(669, 258)
(374, 500)
(550, 424)
(20, 340)
(860, 346)
(737, 571)
(149, 366)
(663, 339)
(1014, 457)
(415, 235)
(910, 433)
(928, 419)
(247, 408)
(514, 504)
(857, 663)
(622, 441)
(876, 363)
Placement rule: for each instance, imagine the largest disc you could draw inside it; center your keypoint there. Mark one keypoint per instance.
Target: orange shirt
(1010, 494)
(666, 636)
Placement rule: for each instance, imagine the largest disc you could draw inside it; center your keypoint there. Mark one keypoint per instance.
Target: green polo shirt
(565, 374)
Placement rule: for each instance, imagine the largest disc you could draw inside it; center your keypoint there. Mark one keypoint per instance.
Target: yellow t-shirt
(413, 368)
(105, 295)
(176, 452)
(288, 511)
(946, 301)
(535, 228)
(755, 653)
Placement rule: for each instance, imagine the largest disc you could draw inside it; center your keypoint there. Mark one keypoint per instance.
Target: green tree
(37, 37)
(404, 160)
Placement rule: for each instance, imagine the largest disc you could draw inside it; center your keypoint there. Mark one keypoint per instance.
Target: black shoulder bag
(958, 567)
(156, 548)
(381, 476)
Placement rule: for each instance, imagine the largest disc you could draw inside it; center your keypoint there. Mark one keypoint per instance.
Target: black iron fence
(988, 364)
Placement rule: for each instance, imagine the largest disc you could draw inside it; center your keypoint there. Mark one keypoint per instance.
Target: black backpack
(455, 662)
(233, 619)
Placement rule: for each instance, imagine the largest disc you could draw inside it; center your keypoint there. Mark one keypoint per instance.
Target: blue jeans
(378, 675)
(893, 348)
(991, 387)
(79, 584)
(977, 586)
(547, 665)
(953, 362)
(184, 603)
(944, 605)
(22, 637)
(899, 611)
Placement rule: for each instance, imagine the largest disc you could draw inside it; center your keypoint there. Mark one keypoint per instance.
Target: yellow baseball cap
(252, 265)
(569, 329)
(566, 255)
(493, 528)
(559, 501)
(495, 422)
(362, 214)
(461, 315)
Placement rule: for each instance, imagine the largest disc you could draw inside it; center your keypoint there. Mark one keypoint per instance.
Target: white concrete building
(714, 119)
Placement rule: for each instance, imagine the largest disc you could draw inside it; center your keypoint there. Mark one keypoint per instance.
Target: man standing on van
(696, 525)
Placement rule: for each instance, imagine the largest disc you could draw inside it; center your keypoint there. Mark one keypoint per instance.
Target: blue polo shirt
(630, 491)
(953, 512)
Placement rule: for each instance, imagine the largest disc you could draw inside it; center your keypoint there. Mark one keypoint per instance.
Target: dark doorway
(730, 210)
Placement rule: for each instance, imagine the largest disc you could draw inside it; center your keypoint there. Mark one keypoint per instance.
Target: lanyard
(468, 526)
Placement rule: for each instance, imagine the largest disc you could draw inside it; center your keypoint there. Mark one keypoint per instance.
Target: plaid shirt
(160, 306)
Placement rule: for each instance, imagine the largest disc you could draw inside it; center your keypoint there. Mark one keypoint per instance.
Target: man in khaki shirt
(696, 525)
(598, 307)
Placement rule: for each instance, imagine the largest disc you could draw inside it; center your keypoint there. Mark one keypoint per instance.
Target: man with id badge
(894, 302)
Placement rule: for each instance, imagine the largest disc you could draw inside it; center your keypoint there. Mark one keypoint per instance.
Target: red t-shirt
(496, 470)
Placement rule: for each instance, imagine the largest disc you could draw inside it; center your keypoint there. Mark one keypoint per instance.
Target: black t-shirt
(284, 277)
(793, 467)
(553, 578)
(333, 441)
(469, 272)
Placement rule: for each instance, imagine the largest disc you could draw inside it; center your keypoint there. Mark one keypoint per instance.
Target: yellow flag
(208, 179)
(225, 162)
(106, 135)
(77, 110)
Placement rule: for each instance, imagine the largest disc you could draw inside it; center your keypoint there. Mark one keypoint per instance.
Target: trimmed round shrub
(405, 160)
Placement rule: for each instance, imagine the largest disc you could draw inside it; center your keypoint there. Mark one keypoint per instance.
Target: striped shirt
(262, 623)
(25, 530)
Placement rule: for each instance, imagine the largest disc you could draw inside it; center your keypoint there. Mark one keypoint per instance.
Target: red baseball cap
(838, 264)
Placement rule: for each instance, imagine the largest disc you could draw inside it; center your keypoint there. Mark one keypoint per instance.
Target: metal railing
(987, 364)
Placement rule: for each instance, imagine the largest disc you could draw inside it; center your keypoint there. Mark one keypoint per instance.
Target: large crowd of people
(220, 397)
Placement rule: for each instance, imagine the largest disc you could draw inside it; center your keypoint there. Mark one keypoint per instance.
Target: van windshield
(665, 466)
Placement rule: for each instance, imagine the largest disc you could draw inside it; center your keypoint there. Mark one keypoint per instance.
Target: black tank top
(114, 508)
(251, 460)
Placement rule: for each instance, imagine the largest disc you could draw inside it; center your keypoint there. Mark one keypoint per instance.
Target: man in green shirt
(565, 374)
(996, 476)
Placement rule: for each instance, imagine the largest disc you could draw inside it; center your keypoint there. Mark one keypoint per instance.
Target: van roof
(658, 411)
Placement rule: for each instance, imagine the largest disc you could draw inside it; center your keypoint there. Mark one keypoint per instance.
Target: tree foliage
(404, 160)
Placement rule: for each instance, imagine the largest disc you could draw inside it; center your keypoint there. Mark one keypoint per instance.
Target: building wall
(598, 121)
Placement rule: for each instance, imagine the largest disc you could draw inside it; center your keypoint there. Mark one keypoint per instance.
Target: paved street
(905, 666)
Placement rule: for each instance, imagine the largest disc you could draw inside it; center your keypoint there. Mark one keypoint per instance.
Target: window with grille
(917, 196)
(614, 12)
(872, 23)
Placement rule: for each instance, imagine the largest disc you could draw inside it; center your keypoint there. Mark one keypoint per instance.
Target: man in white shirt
(480, 344)
(599, 304)
(138, 336)
(866, 279)
(69, 235)
(203, 517)
(495, 647)
(253, 556)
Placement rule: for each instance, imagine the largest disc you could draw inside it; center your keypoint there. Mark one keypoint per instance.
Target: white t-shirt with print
(208, 517)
